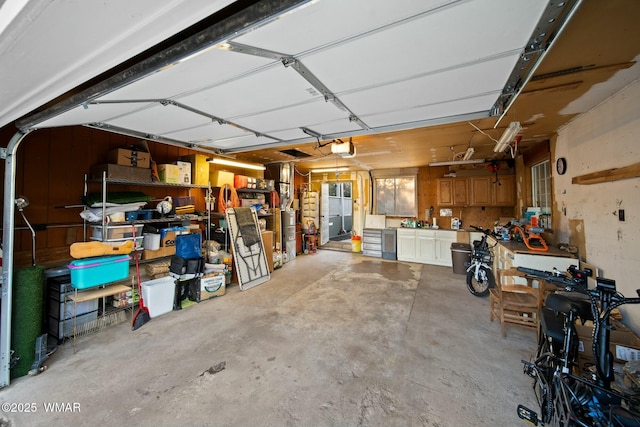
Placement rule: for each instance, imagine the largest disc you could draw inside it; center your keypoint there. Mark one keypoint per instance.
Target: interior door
(324, 213)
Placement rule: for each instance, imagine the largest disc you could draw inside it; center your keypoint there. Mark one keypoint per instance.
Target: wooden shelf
(253, 190)
(609, 175)
(82, 295)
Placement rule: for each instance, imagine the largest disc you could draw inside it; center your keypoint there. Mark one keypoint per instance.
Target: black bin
(460, 255)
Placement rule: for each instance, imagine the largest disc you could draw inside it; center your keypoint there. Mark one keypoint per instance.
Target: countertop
(462, 230)
(521, 248)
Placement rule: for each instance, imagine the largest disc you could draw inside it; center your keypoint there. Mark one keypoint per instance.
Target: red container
(240, 181)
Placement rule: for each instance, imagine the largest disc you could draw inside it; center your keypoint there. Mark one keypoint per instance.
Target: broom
(142, 315)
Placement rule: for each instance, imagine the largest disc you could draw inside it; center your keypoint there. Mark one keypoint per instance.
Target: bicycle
(479, 270)
(566, 399)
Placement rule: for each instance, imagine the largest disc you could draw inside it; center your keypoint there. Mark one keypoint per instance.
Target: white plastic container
(152, 241)
(115, 231)
(158, 295)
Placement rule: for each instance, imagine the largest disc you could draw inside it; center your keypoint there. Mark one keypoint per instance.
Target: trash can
(460, 255)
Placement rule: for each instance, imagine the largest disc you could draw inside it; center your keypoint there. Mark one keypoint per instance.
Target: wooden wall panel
(51, 164)
(33, 170)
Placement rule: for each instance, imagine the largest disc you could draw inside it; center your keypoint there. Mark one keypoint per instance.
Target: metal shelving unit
(101, 292)
(105, 181)
(143, 183)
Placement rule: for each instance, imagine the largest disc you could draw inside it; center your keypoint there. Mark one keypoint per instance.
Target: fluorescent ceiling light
(234, 163)
(507, 137)
(457, 162)
(326, 170)
(469, 153)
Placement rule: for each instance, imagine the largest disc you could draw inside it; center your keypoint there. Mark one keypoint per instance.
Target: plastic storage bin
(89, 272)
(115, 231)
(158, 295)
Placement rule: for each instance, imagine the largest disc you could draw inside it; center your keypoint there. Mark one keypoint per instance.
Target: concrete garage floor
(333, 339)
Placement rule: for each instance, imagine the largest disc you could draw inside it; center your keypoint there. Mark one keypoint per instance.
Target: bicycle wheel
(543, 386)
(480, 287)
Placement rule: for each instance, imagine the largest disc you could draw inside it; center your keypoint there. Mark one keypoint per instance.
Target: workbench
(511, 254)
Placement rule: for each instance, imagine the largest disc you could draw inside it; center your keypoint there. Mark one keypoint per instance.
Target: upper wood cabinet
(486, 192)
(505, 193)
(477, 191)
(453, 192)
(480, 187)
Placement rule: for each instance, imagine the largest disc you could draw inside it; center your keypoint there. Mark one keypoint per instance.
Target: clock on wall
(561, 165)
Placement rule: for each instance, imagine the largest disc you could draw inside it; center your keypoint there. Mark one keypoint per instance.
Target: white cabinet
(444, 239)
(406, 244)
(425, 246)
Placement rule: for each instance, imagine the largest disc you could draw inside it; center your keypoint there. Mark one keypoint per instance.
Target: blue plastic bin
(96, 271)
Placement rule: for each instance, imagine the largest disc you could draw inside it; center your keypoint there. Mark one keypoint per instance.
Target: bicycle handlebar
(486, 231)
(577, 280)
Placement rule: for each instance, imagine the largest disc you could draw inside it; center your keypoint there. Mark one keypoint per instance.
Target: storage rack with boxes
(271, 229)
(310, 210)
(118, 229)
(251, 192)
(121, 231)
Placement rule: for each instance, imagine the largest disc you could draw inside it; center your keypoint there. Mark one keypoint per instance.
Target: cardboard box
(267, 241)
(623, 343)
(169, 174)
(169, 239)
(162, 252)
(126, 173)
(184, 172)
(211, 286)
(169, 235)
(199, 168)
(132, 158)
(220, 178)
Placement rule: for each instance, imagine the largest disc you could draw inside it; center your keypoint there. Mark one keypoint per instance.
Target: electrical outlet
(620, 214)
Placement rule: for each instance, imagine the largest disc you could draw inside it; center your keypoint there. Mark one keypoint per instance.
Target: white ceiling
(357, 66)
